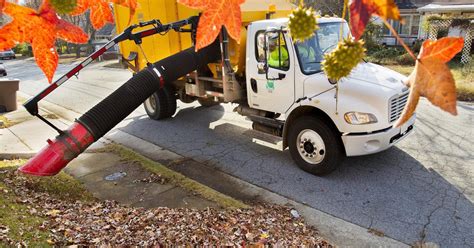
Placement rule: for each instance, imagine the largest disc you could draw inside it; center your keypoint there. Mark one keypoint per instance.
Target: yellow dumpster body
(160, 46)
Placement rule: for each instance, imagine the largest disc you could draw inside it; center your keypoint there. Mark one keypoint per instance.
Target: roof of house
(406, 4)
(447, 7)
(414, 4)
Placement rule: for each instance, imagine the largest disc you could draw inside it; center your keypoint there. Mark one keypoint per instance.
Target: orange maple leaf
(131, 4)
(2, 3)
(101, 13)
(216, 14)
(41, 29)
(432, 78)
(362, 10)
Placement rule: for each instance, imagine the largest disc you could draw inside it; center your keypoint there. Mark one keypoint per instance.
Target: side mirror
(262, 68)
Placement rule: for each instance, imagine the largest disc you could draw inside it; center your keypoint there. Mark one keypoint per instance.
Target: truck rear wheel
(314, 146)
(161, 105)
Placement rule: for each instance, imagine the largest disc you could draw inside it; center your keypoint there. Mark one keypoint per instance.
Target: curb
(336, 230)
(175, 177)
(19, 155)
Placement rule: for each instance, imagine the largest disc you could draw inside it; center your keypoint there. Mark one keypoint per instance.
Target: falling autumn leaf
(101, 13)
(41, 29)
(444, 49)
(362, 10)
(432, 78)
(216, 14)
(2, 4)
(131, 4)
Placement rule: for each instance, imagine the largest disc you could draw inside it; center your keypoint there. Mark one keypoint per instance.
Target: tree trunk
(78, 51)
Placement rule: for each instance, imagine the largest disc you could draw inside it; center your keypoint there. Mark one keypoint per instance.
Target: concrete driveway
(421, 189)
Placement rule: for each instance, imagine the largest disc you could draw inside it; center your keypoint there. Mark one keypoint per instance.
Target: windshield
(311, 51)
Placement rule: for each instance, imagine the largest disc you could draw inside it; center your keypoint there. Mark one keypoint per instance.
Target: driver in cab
(278, 57)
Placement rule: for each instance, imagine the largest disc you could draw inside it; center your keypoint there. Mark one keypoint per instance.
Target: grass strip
(5, 122)
(23, 221)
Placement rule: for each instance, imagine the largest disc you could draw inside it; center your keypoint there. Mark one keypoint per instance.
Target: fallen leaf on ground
(216, 14)
(109, 224)
(432, 78)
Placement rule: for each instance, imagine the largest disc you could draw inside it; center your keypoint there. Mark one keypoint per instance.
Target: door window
(276, 55)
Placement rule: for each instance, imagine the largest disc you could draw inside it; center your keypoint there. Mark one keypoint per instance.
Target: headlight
(357, 118)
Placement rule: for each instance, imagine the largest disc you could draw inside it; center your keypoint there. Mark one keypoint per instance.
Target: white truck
(319, 120)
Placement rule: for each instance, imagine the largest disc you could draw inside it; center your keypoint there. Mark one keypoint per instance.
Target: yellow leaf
(53, 212)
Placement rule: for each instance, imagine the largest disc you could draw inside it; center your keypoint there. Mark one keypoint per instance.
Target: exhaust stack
(94, 124)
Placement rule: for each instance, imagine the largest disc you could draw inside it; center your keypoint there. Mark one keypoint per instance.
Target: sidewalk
(105, 173)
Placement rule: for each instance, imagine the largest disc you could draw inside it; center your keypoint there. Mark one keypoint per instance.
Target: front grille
(397, 103)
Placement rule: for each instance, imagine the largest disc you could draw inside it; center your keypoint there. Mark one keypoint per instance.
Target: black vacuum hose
(116, 107)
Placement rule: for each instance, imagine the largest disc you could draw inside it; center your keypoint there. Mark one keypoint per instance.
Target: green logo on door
(270, 85)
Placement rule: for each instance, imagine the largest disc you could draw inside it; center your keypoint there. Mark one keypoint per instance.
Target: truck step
(267, 121)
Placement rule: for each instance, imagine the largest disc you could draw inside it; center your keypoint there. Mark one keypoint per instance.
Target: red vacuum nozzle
(59, 152)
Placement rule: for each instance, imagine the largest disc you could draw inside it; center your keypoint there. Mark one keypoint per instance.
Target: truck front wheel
(314, 146)
(161, 105)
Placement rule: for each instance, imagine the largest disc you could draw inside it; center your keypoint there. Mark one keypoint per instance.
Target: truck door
(270, 71)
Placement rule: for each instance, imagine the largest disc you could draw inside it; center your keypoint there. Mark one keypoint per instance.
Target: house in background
(454, 19)
(432, 19)
(103, 36)
(411, 29)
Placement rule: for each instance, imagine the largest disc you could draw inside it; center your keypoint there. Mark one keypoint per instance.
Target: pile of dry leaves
(108, 223)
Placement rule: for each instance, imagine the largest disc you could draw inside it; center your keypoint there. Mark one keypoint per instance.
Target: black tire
(171, 99)
(329, 155)
(161, 105)
(207, 102)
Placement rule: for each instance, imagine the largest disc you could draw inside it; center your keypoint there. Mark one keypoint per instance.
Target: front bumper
(363, 144)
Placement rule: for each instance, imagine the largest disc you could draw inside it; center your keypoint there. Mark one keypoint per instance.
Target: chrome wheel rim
(150, 104)
(311, 146)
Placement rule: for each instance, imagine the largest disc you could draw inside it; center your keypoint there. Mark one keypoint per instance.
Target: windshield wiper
(314, 62)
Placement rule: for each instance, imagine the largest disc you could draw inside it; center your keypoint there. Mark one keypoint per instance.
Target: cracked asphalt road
(421, 189)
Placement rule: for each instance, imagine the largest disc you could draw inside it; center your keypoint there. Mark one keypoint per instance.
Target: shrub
(387, 53)
(405, 59)
(371, 36)
(23, 49)
(417, 46)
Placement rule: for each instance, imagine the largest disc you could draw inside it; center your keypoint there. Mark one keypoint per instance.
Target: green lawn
(24, 220)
